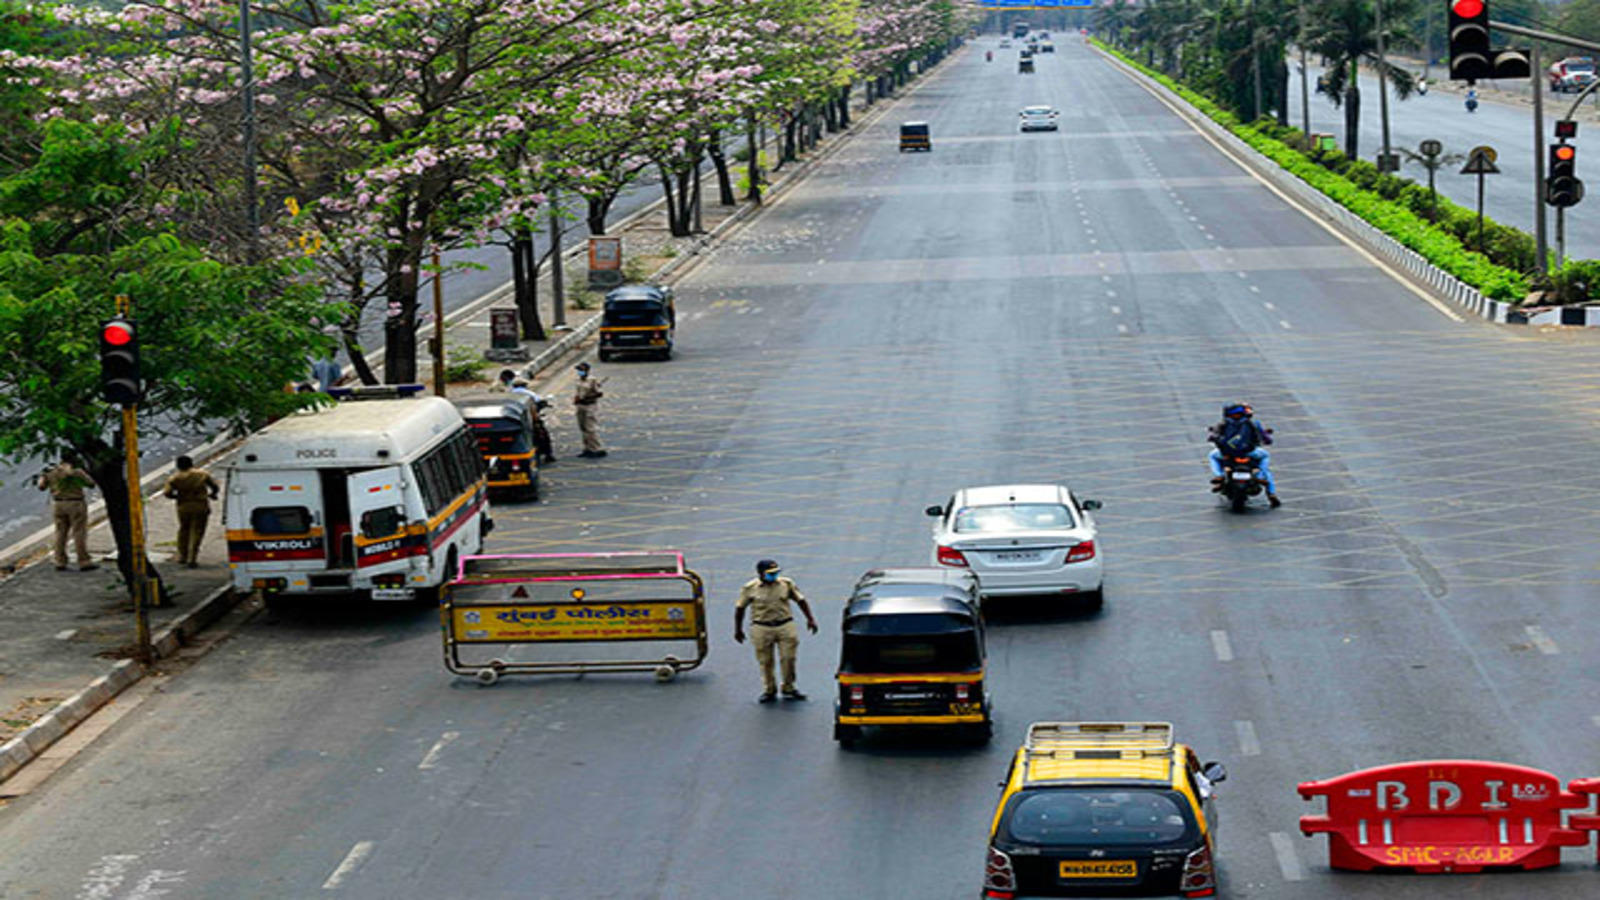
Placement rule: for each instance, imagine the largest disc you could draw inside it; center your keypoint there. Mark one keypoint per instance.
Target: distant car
(1022, 539)
(1104, 809)
(1005, 42)
(1038, 118)
(1572, 74)
(1046, 47)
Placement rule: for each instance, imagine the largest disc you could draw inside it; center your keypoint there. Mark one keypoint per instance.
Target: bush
(463, 363)
(634, 269)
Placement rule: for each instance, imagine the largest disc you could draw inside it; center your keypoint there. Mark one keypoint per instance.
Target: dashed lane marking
(1284, 323)
(352, 861)
(1249, 744)
(1220, 644)
(432, 757)
(1546, 645)
(1288, 860)
(1122, 329)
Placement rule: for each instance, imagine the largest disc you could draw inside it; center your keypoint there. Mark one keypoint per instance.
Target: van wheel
(435, 595)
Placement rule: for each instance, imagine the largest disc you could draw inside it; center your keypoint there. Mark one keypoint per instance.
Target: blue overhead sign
(1035, 4)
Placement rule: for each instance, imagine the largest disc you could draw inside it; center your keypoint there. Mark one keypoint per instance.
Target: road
(1503, 121)
(1007, 308)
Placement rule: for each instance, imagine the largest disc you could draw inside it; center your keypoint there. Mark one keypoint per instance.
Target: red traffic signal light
(1467, 9)
(117, 332)
(120, 382)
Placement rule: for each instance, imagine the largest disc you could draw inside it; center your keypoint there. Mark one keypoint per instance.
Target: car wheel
(1095, 600)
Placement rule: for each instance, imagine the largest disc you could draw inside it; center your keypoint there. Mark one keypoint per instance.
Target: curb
(1408, 262)
(54, 725)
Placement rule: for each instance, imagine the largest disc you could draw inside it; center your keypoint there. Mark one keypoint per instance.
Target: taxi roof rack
(1099, 740)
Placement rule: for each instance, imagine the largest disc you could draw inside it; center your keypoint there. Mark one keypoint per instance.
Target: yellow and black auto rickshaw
(506, 430)
(638, 318)
(1025, 65)
(912, 655)
(914, 136)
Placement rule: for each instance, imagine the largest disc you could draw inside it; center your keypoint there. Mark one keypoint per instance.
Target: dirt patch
(14, 720)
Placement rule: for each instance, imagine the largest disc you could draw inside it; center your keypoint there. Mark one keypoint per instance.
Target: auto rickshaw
(1025, 66)
(912, 655)
(638, 318)
(506, 430)
(914, 136)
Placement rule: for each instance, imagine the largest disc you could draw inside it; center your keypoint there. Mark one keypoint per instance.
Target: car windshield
(1037, 110)
(891, 654)
(1014, 517)
(1584, 66)
(1099, 817)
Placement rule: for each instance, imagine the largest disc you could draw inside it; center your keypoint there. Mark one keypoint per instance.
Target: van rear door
(275, 522)
(383, 533)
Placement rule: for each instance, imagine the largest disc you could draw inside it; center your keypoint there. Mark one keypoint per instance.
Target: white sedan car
(1022, 539)
(1038, 118)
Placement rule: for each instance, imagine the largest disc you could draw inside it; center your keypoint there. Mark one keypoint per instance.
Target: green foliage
(635, 269)
(463, 363)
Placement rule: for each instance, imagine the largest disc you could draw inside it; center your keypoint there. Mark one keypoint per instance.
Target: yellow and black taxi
(638, 318)
(504, 429)
(912, 655)
(1104, 809)
(915, 136)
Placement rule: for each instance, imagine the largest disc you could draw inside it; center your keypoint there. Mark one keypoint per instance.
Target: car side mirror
(1214, 772)
(934, 510)
(1092, 505)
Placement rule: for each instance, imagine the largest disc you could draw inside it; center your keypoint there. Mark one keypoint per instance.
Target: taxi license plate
(393, 593)
(1018, 556)
(1099, 868)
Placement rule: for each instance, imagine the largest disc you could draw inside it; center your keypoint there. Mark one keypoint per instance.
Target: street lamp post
(1386, 159)
(248, 96)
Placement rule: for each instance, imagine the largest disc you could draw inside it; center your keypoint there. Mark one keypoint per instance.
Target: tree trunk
(1352, 120)
(754, 170)
(1281, 91)
(107, 464)
(725, 192)
(350, 331)
(400, 323)
(830, 115)
(844, 105)
(599, 207)
(790, 135)
(675, 225)
(525, 272)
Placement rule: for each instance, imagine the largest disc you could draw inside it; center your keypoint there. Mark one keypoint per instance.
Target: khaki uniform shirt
(65, 482)
(587, 393)
(192, 488)
(768, 602)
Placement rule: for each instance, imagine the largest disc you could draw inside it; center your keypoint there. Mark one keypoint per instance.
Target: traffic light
(1561, 186)
(1470, 55)
(119, 362)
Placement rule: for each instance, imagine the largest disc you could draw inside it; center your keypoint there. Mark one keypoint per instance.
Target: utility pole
(1305, 88)
(142, 601)
(1541, 240)
(557, 277)
(1387, 157)
(437, 344)
(248, 95)
(1255, 57)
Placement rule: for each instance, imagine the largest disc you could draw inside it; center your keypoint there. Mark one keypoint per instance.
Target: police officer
(66, 482)
(194, 489)
(772, 625)
(586, 398)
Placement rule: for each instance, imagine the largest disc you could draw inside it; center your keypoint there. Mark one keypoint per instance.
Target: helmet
(1236, 410)
(767, 565)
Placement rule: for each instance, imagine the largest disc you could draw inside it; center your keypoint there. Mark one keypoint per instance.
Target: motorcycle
(1472, 104)
(1241, 480)
(988, 56)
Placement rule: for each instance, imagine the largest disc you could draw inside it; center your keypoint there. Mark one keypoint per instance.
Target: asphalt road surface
(1007, 308)
(1504, 121)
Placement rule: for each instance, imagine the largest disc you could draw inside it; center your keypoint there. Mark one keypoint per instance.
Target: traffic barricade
(1589, 822)
(498, 603)
(1444, 816)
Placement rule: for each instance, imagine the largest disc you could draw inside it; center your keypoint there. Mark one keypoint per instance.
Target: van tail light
(999, 880)
(1081, 553)
(1199, 878)
(858, 694)
(950, 556)
(963, 692)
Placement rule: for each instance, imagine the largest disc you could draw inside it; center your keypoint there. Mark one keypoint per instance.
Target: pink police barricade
(553, 613)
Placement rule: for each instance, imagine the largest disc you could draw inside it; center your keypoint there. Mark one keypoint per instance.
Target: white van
(371, 495)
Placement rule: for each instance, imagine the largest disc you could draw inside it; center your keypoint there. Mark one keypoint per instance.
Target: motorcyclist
(1250, 440)
(1472, 99)
(988, 56)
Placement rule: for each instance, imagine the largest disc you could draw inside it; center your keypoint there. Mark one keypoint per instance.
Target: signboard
(1444, 816)
(605, 262)
(1480, 161)
(1034, 4)
(649, 620)
(503, 329)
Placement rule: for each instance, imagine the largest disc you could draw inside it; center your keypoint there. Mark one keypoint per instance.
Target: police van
(379, 494)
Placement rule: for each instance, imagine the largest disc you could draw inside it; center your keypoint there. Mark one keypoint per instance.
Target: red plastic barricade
(1444, 816)
(1586, 823)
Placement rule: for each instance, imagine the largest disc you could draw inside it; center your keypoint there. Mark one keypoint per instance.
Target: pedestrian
(326, 372)
(194, 489)
(768, 596)
(586, 398)
(66, 481)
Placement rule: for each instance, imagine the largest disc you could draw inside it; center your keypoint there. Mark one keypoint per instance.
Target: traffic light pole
(1541, 242)
(141, 574)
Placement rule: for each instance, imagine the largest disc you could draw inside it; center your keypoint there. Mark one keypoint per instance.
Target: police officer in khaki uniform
(66, 482)
(194, 489)
(586, 398)
(772, 625)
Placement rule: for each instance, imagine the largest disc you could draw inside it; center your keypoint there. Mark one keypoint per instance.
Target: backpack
(1238, 437)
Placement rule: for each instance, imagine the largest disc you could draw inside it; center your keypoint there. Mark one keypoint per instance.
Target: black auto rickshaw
(507, 432)
(1025, 66)
(638, 318)
(915, 136)
(912, 655)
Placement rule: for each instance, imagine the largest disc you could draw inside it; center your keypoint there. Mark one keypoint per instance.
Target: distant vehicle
(1038, 118)
(1104, 809)
(915, 136)
(504, 427)
(1022, 539)
(1025, 66)
(638, 318)
(1005, 43)
(1572, 74)
(1046, 47)
(1019, 29)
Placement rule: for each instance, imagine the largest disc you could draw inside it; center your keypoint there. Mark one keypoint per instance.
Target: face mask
(769, 577)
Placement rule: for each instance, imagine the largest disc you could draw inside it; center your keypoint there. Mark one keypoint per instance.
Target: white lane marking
(1223, 648)
(1242, 274)
(66, 635)
(147, 887)
(1111, 293)
(1122, 329)
(1595, 720)
(352, 861)
(1249, 744)
(1284, 324)
(1254, 289)
(432, 758)
(106, 876)
(1106, 278)
(1288, 860)
(1116, 310)
(1542, 641)
(1268, 304)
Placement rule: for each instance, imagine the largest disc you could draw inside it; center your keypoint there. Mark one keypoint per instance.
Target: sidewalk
(62, 633)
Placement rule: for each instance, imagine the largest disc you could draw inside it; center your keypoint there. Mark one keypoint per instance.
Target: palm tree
(1342, 32)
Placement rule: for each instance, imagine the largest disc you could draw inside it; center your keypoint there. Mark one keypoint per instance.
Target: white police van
(378, 494)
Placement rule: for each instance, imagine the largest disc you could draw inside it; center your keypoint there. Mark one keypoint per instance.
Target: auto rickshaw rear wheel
(846, 735)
